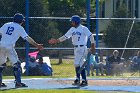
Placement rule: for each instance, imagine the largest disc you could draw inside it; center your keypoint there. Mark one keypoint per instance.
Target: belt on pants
(79, 45)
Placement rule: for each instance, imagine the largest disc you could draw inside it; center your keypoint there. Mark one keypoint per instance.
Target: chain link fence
(49, 21)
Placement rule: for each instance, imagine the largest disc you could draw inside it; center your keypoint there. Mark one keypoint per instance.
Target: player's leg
(17, 74)
(83, 57)
(13, 57)
(1, 70)
(84, 79)
(77, 80)
(77, 74)
(77, 68)
(3, 58)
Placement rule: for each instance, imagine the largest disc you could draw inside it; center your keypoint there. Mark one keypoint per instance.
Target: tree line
(44, 29)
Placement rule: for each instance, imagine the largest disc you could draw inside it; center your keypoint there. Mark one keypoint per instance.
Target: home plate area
(95, 84)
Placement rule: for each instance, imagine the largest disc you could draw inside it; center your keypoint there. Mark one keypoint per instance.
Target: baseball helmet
(18, 18)
(76, 19)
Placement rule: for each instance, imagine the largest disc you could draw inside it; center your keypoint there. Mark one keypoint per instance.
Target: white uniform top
(79, 35)
(11, 32)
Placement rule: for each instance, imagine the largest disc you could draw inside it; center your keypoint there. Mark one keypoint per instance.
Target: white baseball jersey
(79, 35)
(10, 34)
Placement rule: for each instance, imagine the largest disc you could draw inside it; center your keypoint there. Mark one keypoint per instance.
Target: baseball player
(10, 33)
(79, 35)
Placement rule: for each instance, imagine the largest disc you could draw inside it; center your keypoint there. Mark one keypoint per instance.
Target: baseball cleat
(84, 83)
(18, 85)
(76, 82)
(3, 85)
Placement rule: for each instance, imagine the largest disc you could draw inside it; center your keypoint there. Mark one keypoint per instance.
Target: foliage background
(43, 29)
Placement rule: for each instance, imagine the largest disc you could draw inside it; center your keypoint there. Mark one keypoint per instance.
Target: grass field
(66, 69)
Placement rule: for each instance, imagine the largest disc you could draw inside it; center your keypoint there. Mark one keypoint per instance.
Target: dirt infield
(94, 84)
(126, 82)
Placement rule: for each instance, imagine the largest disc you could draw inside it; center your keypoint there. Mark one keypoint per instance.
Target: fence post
(97, 31)
(88, 43)
(97, 25)
(27, 30)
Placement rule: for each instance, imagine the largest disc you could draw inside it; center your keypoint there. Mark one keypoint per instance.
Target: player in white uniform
(80, 35)
(9, 34)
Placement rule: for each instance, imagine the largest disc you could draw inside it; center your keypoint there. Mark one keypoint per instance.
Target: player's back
(10, 33)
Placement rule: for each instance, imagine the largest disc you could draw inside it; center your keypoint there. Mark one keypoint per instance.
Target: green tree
(38, 28)
(136, 35)
(117, 31)
(67, 8)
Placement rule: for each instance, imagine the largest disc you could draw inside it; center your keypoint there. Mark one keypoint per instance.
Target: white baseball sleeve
(92, 39)
(63, 38)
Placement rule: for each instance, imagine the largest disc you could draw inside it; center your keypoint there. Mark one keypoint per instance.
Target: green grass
(66, 69)
(58, 91)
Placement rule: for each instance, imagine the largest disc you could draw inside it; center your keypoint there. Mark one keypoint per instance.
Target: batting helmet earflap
(18, 18)
(76, 19)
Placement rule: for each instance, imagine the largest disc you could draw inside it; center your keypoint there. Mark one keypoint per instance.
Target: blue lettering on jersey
(10, 30)
(76, 33)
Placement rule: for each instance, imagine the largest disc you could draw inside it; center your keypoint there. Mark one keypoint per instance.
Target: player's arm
(31, 41)
(92, 44)
(91, 37)
(61, 39)
(26, 37)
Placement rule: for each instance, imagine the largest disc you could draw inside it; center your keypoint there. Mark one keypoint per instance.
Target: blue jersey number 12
(10, 30)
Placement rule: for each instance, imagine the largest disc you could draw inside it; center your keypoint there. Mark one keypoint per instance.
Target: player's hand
(40, 46)
(53, 41)
(92, 50)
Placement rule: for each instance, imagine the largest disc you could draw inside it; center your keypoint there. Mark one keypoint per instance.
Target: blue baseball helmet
(18, 18)
(76, 19)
